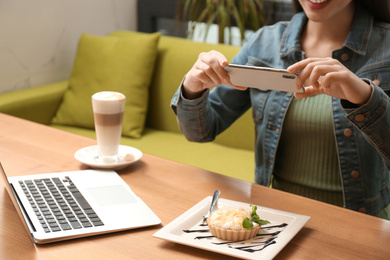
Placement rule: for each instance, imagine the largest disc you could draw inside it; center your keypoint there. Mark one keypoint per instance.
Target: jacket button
(360, 117)
(363, 210)
(355, 174)
(348, 132)
(344, 57)
(376, 82)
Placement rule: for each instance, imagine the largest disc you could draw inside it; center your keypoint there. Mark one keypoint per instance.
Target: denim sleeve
(202, 119)
(189, 116)
(373, 119)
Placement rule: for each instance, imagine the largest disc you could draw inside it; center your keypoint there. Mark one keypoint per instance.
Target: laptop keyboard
(59, 205)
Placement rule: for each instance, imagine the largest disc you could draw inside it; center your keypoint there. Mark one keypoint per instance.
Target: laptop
(66, 205)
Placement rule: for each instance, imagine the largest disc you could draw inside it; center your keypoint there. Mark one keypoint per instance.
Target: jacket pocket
(259, 100)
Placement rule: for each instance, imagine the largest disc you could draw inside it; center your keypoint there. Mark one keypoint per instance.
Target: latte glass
(108, 108)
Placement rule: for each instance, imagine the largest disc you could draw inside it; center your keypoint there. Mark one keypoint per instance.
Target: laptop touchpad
(111, 195)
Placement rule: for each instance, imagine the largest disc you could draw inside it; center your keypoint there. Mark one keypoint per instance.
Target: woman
(330, 143)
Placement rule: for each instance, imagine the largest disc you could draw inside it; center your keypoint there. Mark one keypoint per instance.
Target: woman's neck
(320, 38)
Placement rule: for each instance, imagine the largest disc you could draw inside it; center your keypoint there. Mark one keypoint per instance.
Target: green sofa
(230, 154)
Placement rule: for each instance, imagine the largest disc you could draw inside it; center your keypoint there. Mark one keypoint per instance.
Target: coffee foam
(108, 102)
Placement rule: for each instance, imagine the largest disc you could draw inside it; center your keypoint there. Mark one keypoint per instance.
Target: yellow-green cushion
(122, 63)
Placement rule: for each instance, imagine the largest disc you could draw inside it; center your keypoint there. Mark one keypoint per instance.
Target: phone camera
(288, 76)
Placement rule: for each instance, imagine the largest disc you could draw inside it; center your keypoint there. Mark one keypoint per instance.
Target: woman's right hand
(207, 72)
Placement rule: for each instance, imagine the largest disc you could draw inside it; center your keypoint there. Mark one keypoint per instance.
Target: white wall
(38, 38)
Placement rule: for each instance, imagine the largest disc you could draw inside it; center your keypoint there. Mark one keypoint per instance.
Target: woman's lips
(317, 4)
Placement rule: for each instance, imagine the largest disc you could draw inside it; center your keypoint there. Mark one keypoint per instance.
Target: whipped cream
(230, 219)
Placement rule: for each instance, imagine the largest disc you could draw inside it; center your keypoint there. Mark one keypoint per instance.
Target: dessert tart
(235, 224)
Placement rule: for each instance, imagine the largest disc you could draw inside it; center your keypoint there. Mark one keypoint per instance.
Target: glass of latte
(108, 108)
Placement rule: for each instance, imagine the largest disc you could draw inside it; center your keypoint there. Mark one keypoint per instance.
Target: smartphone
(263, 78)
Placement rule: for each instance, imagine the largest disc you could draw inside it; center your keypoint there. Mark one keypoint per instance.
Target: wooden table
(170, 189)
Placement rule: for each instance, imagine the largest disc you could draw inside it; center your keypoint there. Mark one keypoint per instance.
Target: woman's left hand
(328, 76)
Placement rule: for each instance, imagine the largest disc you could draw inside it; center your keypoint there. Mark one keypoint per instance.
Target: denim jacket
(362, 133)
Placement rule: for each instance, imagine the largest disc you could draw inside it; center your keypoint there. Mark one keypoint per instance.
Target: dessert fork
(213, 202)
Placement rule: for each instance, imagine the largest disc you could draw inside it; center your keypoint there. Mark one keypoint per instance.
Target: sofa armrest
(38, 104)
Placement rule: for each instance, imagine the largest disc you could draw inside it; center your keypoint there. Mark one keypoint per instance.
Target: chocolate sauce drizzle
(196, 230)
(277, 226)
(258, 243)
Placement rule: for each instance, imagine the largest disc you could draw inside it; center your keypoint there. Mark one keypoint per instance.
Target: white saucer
(88, 154)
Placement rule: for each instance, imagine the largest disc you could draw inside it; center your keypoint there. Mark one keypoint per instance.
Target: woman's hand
(207, 72)
(328, 76)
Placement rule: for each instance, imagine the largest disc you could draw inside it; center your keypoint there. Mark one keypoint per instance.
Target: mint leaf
(246, 223)
(262, 222)
(255, 218)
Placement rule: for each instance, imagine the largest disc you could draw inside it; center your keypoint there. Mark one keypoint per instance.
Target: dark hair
(380, 9)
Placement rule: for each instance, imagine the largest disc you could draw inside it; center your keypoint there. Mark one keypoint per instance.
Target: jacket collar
(357, 39)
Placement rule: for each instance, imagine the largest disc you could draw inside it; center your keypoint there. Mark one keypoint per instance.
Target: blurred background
(38, 39)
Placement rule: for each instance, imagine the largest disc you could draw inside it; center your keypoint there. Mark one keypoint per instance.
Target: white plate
(88, 154)
(271, 240)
